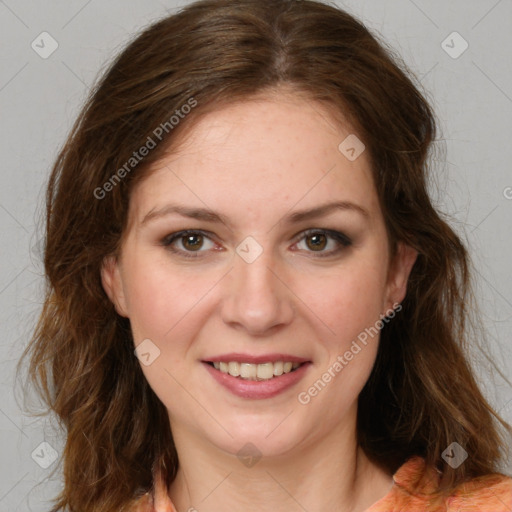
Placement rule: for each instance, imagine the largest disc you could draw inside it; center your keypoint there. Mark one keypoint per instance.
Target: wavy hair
(421, 395)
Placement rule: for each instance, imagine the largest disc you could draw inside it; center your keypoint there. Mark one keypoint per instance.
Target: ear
(398, 274)
(113, 285)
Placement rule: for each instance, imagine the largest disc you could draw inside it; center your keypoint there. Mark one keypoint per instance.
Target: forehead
(270, 125)
(262, 153)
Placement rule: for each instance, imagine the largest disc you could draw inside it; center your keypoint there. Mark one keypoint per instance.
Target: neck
(329, 473)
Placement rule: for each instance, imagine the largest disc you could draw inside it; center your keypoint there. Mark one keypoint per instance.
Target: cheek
(161, 298)
(165, 308)
(346, 300)
(151, 301)
(350, 304)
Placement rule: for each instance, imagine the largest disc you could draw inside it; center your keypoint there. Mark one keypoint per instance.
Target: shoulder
(491, 493)
(414, 485)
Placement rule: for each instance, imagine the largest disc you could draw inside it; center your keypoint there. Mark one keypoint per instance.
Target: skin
(255, 162)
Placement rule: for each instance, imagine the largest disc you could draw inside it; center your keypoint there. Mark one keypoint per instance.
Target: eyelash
(341, 238)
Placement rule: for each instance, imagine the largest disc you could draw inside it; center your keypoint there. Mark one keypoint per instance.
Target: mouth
(256, 372)
(257, 377)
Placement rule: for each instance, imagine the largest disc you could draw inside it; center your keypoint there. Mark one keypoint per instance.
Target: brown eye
(189, 243)
(192, 242)
(316, 242)
(324, 242)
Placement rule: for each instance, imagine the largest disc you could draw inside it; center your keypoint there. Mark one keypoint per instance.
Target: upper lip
(248, 358)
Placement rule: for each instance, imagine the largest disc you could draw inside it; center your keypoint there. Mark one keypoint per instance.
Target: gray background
(39, 99)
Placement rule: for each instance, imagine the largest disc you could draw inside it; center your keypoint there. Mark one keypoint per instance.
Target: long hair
(421, 395)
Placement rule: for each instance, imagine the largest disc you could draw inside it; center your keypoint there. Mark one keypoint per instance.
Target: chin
(265, 435)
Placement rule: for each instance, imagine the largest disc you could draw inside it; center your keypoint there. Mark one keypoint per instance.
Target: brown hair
(421, 395)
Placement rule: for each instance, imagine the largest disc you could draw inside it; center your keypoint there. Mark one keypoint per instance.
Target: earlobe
(399, 272)
(112, 284)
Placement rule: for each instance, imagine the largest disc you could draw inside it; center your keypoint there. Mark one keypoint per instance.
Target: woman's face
(286, 261)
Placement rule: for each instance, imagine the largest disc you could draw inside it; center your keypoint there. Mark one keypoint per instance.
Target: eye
(317, 240)
(188, 242)
(191, 243)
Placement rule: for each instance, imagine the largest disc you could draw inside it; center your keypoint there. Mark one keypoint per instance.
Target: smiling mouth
(255, 372)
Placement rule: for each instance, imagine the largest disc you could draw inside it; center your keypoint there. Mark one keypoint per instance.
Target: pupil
(317, 241)
(192, 241)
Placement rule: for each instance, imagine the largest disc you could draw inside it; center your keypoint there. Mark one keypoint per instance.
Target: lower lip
(260, 389)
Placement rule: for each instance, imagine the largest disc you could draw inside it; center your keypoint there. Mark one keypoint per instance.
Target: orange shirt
(411, 484)
(490, 493)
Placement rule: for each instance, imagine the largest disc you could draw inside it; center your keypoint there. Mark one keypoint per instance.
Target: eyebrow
(207, 215)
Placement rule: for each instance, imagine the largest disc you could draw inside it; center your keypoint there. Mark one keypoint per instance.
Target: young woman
(252, 303)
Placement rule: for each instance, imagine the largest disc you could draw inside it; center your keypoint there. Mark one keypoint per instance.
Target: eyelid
(343, 240)
(178, 234)
(168, 241)
(332, 233)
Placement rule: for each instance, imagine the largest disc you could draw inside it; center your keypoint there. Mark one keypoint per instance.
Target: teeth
(278, 368)
(265, 371)
(234, 368)
(249, 371)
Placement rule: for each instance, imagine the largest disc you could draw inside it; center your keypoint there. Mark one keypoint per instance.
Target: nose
(257, 298)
